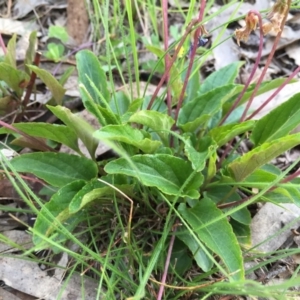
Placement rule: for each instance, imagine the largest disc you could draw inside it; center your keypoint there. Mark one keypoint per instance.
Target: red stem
(275, 93)
(258, 83)
(36, 62)
(28, 178)
(270, 57)
(202, 9)
(235, 203)
(238, 100)
(291, 177)
(194, 49)
(258, 58)
(163, 78)
(168, 259)
(6, 125)
(2, 44)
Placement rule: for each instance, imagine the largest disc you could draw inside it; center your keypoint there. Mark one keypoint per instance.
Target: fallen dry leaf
(268, 221)
(23, 7)
(18, 237)
(9, 27)
(27, 277)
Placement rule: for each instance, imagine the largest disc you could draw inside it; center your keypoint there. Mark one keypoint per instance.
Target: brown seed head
(243, 33)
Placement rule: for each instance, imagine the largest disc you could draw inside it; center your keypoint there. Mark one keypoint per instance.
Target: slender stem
(2, 45)
(163, 78)
(261, 42)
(130, 17)
(292, 176)
(44, 147)
(167, 56)
(194, 48)
(234, 203)
(30, 86)
(202, 9)
(188, 73)
(271, 55)
(259, 81)
(258, 58)
(86, 45)
(168, 259)
(275, 93)
(27, 178)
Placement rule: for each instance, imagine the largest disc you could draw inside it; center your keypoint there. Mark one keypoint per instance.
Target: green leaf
(119, 103)
(57, 169)
(159, 122)
(50, 81)
(13, 78)
(198, 158)
(94, 108)
(93, 190)
(222, 77)
(286, 193)
(58, 32)
(165, 172)
(193, 82)
(223, 134)
(30, 52)
(57, 207)
(66, 75)
(156, 50)
(175, 78)
(127, 134)
(109, 117)
(5, 104)
(89, 70)
(199, 110)
(283, 195)
(176, 84)
(105, 116)
(262, 177)
(211, 167)
(24, 142)
(249, 162)
(135, 105)
(198, 254)
(54, 132)
(279, 122)
(218, 236)
(195, 124)
(55, 51)
(82, 128)
(165, 150)
(228, 194)
(242, 233)
(264, 87)
(10, 56)
(158, 104)
(180, 260)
